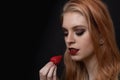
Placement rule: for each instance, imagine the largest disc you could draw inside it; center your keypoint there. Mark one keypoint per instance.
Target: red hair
(100, 27)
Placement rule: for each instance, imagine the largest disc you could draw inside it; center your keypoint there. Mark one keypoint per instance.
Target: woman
(91, 49)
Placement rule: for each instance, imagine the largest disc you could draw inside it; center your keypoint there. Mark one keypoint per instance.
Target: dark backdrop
(47, 37)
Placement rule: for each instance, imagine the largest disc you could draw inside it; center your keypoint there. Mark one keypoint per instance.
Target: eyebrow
(76, 27)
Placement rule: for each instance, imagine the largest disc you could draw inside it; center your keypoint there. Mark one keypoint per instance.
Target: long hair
(101, 27)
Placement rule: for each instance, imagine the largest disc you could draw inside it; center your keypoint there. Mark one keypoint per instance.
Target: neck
(91, 66)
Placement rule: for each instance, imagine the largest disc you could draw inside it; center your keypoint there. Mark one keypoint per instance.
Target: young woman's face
(77, 36)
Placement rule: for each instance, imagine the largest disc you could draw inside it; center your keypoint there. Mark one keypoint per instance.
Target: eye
(79, 32)
(65, 33)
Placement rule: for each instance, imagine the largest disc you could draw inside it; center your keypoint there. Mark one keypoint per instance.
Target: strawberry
(56, 59)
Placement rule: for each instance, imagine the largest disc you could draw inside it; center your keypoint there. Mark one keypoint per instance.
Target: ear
(101, 40)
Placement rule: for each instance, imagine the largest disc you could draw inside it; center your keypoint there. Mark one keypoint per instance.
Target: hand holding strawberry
(49, 71)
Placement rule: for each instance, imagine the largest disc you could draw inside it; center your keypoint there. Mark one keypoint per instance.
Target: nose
(70, 39)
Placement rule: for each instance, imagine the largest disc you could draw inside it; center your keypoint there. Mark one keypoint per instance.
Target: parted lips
(73, 51)
(56, 59)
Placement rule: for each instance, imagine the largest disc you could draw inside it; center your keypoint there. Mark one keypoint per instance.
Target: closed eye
(79, 32)
(65, 32)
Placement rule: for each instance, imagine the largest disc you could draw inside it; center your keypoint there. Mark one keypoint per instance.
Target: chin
(77, 58)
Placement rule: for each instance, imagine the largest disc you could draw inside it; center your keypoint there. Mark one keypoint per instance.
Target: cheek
(89, 47)
(86, 44)
(65, 40)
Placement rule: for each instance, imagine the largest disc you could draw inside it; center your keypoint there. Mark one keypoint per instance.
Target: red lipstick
(73, 51)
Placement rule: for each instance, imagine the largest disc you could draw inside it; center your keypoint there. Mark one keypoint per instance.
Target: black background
(47, 37)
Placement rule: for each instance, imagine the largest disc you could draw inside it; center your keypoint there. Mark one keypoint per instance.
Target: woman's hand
(48, 72)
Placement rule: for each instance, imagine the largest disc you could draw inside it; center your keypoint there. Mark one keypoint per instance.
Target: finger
(50, 73)
(55, 74)
(44, 71)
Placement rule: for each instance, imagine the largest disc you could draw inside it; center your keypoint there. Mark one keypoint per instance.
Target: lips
(73, 51)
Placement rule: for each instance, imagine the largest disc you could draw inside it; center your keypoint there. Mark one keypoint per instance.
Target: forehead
(71, 19)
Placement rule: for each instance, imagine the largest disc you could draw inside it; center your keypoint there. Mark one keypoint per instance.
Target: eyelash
(80, 32)
(77, 32)
(65, 33)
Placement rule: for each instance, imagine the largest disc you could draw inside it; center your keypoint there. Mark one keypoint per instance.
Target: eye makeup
(79, 32)
(65, 32)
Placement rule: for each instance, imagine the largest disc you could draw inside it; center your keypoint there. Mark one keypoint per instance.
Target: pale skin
(77, 35)
(48, 72)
